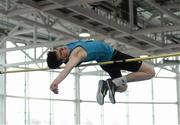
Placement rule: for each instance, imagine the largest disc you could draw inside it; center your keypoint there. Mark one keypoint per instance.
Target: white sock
(120, 80)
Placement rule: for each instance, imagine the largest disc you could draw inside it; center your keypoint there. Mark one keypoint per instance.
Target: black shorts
(114, 70)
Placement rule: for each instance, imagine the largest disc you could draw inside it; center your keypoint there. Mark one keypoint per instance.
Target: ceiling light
(84, 34)
(143, 56)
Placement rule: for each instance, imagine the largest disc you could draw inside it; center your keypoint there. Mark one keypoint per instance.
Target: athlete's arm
(77, 55)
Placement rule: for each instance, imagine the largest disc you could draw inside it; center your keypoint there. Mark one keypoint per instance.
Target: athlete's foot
(102, 91)
(112, 89)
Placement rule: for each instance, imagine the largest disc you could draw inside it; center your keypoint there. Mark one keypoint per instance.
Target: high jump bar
(100, 63)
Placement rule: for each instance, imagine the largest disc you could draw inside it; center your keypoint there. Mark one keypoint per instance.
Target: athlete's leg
(145, 72)
(114, 72)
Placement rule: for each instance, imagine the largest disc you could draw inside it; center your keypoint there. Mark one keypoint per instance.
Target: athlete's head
(56, 57)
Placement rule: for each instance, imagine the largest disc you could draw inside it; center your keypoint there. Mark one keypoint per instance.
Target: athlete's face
(61, 53)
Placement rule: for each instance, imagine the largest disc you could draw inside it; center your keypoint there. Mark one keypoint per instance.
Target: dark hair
(52, 61)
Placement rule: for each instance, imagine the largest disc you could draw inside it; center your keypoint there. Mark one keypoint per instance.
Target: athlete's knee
(149, 70)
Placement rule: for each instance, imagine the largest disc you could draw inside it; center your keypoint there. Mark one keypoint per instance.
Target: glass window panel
(140, 91)
(166, 114)
(39, 51)
(39, 112)
(164, 90)
(88, 87)
(140, 114)
(15, 111)
(39, 83)
(164, 73)
(63, 113)
(66, 87)
(120, 97)
(15, 84)
(15, 56)
(115, 114)
(31, 53)
(91, 114)
(45, 55)
(9, 44)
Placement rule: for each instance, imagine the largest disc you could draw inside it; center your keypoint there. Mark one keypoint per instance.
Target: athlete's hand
(54, 88)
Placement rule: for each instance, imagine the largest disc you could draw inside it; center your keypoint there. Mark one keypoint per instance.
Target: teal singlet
(96, 50)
